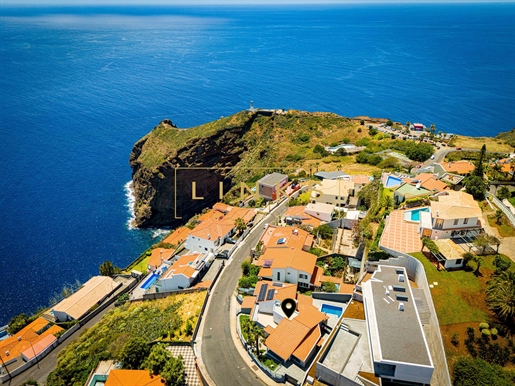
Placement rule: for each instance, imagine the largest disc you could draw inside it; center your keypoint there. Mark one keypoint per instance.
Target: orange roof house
(290, 237)
(182, 274)
(133, 378)
(431, 182)
(33, 333)
(298, 336)
(456, 167)
(158, 256)
(177, 236)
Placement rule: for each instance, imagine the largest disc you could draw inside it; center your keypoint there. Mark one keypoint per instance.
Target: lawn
(505, 228)
(459, 296)
(142, 266)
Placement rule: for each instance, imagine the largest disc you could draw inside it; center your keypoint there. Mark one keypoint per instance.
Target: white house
(333, 192)
(77, 305)
(208, 235)
(320, 211)
(399, 349)
(184, 271)
(454, 214)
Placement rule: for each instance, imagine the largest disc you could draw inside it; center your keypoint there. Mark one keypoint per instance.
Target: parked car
(432, 156)
(458, 148)
(223, 254)
(230, 240)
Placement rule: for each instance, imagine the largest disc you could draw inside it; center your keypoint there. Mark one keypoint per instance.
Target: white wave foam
(131, 199)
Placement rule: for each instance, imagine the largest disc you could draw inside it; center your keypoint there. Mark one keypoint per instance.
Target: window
(439, 224)
(302, 276)
(459, 261)
(456, 222)
(278, 275)
(465, 221)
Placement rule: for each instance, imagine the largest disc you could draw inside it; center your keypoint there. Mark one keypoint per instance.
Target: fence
(416, 272)
(502, 207)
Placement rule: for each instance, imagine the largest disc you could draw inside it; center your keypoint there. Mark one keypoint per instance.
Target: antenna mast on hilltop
(251, 106)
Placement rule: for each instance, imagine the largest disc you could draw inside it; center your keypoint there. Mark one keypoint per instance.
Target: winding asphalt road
(218, 352)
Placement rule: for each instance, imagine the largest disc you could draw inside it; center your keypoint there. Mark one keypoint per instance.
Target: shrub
(485, 332)
(483, 326)
(494, 332)
(455, 338)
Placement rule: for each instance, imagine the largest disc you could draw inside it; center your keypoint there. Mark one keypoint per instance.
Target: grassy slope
(140, 319)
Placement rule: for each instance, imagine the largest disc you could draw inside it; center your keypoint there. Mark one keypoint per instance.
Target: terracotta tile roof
(244, 213)
(303, 302)
(307, 345)
(28, 335)
(294, 237)
(38, 347)
(288, 257)
(431, 182)
(310, 316)
(360, 179)
(182, 266)
(286, 337)
(455, 205)
(132, 378)
(346, 288)
(248, 302)
(94, 290)
(335, 187)
(269, 329)
(211, 229)
(458, 167)
(266, 272)
(318, 272)
(177, 236)
(307, 219)
(158, 254)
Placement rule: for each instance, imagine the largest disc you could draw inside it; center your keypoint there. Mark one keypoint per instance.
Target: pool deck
(401, 235)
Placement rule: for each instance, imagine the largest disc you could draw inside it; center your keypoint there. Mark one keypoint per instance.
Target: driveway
(218, 352)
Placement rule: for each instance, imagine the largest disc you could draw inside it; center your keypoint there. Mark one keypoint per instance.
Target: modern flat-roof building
(333, 192)
(267, 186)
(398, 345)
(409, 190)
(77, 305)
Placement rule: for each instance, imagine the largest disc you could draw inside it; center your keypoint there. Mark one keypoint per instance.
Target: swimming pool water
(151, 280)
(415, 214)
(333, 310)
(392, 181)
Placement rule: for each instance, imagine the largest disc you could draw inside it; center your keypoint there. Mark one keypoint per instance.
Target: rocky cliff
(173, 168)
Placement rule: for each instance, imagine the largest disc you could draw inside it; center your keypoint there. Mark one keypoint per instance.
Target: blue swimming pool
(333, 310)
(392, 181)
(414, 215)
(151, 280)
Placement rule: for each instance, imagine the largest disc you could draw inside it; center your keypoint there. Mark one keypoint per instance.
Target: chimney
(209, 237)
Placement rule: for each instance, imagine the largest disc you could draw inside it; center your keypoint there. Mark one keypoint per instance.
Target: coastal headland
(178, 172)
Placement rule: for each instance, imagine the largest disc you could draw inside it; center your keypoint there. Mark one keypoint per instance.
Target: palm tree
(479, 261)
(240, 225)
(498, 216)
(500, 295)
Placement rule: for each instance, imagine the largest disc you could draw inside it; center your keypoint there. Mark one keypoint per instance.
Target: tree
(501, 264)
(134, 351)
(420, 152)
(408, 126)
(475, 186)
(479, 261)
(503, 193)
(500, 296)
(325, 231)
(430, 245)
(240, 225)
(107, 268)
(498, 216)
(372, 131)
(255, 334)
(157, 359)
(328, 286)
(17, 323)
(484, 240)
(467, 371)
(173, 371)
(479, 170)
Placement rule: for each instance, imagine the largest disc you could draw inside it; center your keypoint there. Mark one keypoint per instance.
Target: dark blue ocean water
(79, 86)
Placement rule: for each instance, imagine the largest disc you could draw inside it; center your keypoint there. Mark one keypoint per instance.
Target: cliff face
(163, 186)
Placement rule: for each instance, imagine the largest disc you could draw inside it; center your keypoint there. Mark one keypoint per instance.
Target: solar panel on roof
(277, 284)
(270, 294)
(262, 292)
(282, 240)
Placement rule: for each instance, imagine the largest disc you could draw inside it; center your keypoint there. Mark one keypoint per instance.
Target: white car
(433, 156)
